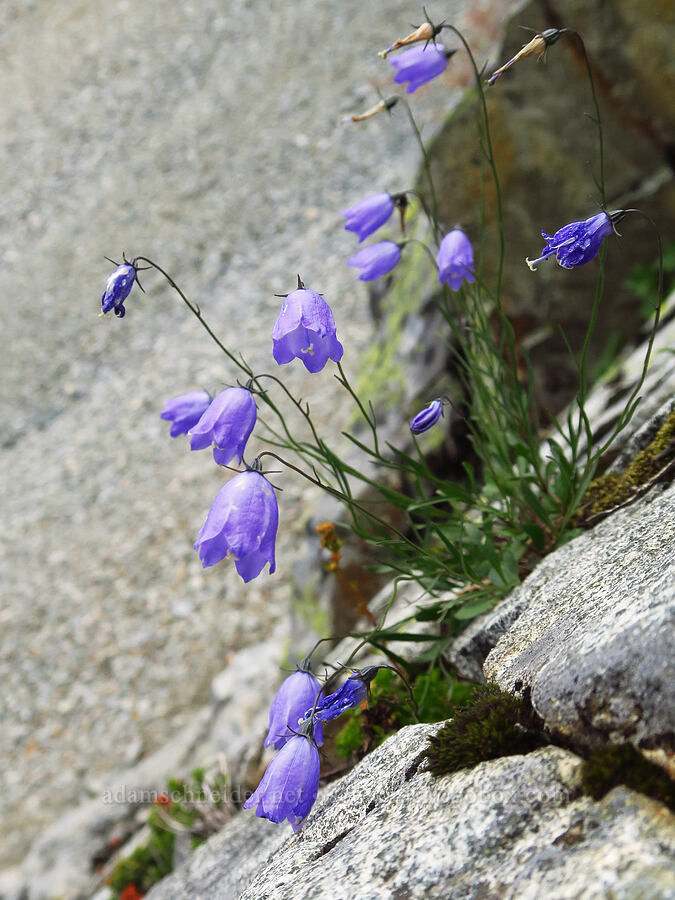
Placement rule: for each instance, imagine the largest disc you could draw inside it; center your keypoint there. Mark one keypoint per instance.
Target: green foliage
(146, 865)
(390, 708)
(623, 764)
(614, 488)
(469, 540)
(195, 807)
(493, 725)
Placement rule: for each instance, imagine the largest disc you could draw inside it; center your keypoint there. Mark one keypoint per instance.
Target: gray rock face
(594, 642)
(514, 827)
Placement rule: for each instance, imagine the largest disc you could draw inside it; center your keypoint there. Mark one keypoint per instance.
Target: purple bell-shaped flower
(350, 694)
(294, 697)
(368, 215)
(226, 424)
(243, 521)
(306, 329)
(420, 64)
(185, 411)
(376, 260)
(290, 784)
(455, 259)
(579, 242)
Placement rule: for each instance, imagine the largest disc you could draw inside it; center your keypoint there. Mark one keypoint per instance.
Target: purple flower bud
(366, 217)
(350, 694)
(420, 64)
(296, 694)
(577, 243)
(185, 411)
(305, 329)
(427, 417)
(227, 424)
(117, 289)
(376, 260)
(455, 259)
(242, 521)
(290, 784)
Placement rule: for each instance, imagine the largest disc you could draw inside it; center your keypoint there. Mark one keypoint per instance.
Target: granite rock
(593, 645)
(515, 827)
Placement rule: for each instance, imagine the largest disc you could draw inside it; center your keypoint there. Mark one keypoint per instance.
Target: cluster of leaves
(390, 707)
(470, 539)
(195, 809)
(494, 724)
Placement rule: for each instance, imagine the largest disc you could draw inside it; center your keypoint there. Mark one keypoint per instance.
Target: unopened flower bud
(539, 44)
(382, 106)
(427, 31)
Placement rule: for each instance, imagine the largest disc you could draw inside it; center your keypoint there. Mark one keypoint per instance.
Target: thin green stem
(371, 421)
(196, 311)
(343, 497)
(598, 119)
(583, 361)
(427, 167)
(489, 153)
(427, 249)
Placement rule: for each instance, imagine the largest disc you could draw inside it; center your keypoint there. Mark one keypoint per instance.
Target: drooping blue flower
(427, 417)
(117, 289)
(579, 242)
(185, 411)
(290, 784)
(376, 260)
(350, 694)
(243, 521)
(305, 329)
(455, 259)
(227, 424)
(368, 215)
(294, 697)
(420, 64)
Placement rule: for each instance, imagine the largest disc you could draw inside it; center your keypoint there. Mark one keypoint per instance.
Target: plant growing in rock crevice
(494, 724)
(616, 489)
(466, 544)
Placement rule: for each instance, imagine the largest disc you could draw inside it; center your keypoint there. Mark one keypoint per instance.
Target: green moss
(623, 764)
(389, 709)
(494, 724)
(608, 491)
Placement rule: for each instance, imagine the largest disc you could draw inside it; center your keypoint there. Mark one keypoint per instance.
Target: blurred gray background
(206, 135)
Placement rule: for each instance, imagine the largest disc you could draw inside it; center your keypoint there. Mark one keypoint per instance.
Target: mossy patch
(611, 490)
(493, 725)
(623, 764)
